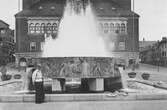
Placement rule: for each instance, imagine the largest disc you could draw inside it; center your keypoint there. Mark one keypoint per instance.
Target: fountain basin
(96, 72)
(77, 67)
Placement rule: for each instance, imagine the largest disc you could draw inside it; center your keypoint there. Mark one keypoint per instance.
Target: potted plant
(132, 75)
(145, 76)
(17, 76)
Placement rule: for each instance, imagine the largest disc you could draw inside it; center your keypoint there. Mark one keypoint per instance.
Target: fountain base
(84, 73)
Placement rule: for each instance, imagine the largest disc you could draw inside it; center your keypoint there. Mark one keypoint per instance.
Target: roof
(45, 11)
(146, 43)
(111, 9)
(108, 9)
(3, 24)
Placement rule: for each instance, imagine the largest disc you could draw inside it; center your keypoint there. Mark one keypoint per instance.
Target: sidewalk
(89, 105)
(24, 98)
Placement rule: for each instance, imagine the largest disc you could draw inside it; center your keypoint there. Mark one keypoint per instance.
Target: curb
(80, 97)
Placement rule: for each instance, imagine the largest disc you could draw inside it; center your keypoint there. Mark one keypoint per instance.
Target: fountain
(77, 34)
(78, 51)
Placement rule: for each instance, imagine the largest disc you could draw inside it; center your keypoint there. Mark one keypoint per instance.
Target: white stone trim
(112, 18)
(43, 18)
(29, 54)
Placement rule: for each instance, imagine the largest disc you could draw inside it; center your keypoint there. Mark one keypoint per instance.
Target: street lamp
(158, 59)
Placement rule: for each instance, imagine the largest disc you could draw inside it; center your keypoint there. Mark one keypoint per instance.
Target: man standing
(3, 72)
(37, 79)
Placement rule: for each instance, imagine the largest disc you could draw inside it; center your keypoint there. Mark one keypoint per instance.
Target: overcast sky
(153, 16)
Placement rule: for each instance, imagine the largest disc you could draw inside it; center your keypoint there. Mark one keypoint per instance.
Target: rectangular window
(3, 31)
(121, 45)
(42, 46)
(32, 46)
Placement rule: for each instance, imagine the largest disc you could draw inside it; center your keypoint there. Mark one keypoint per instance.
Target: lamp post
(158, 59)
(1, 44)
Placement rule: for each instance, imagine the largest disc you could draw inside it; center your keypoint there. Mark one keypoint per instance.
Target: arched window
(49, 28)
(37, 28)
(43, 28)
(111, 27)
(55, 27)
(101, 27)
(42, 45)
(106, 28)
(117, 27)
(123, 27)
(31, 28)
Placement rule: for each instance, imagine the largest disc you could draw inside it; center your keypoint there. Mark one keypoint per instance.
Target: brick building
(116, 20)
(7, 45)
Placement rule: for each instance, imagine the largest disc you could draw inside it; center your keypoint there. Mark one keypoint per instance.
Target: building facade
(162, 50)
(7, 45)
(155, 54)
(116, 21)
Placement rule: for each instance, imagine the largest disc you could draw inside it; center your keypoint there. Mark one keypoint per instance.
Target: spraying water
(78, 33)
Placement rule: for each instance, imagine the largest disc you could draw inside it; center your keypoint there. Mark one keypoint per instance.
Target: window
(42, 46)
(43, 28)
(106, 28)
(40, 7)
(121, 45)
(31, 28)
(32, 46)
(49, 28)
(52, 8)
(111, 27)
(123, 27)
(163, 54)
(117, 28)
(37, 28)
(3, 31)
(55, 27)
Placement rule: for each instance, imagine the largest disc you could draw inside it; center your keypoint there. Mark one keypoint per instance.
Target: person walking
(37, 79)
